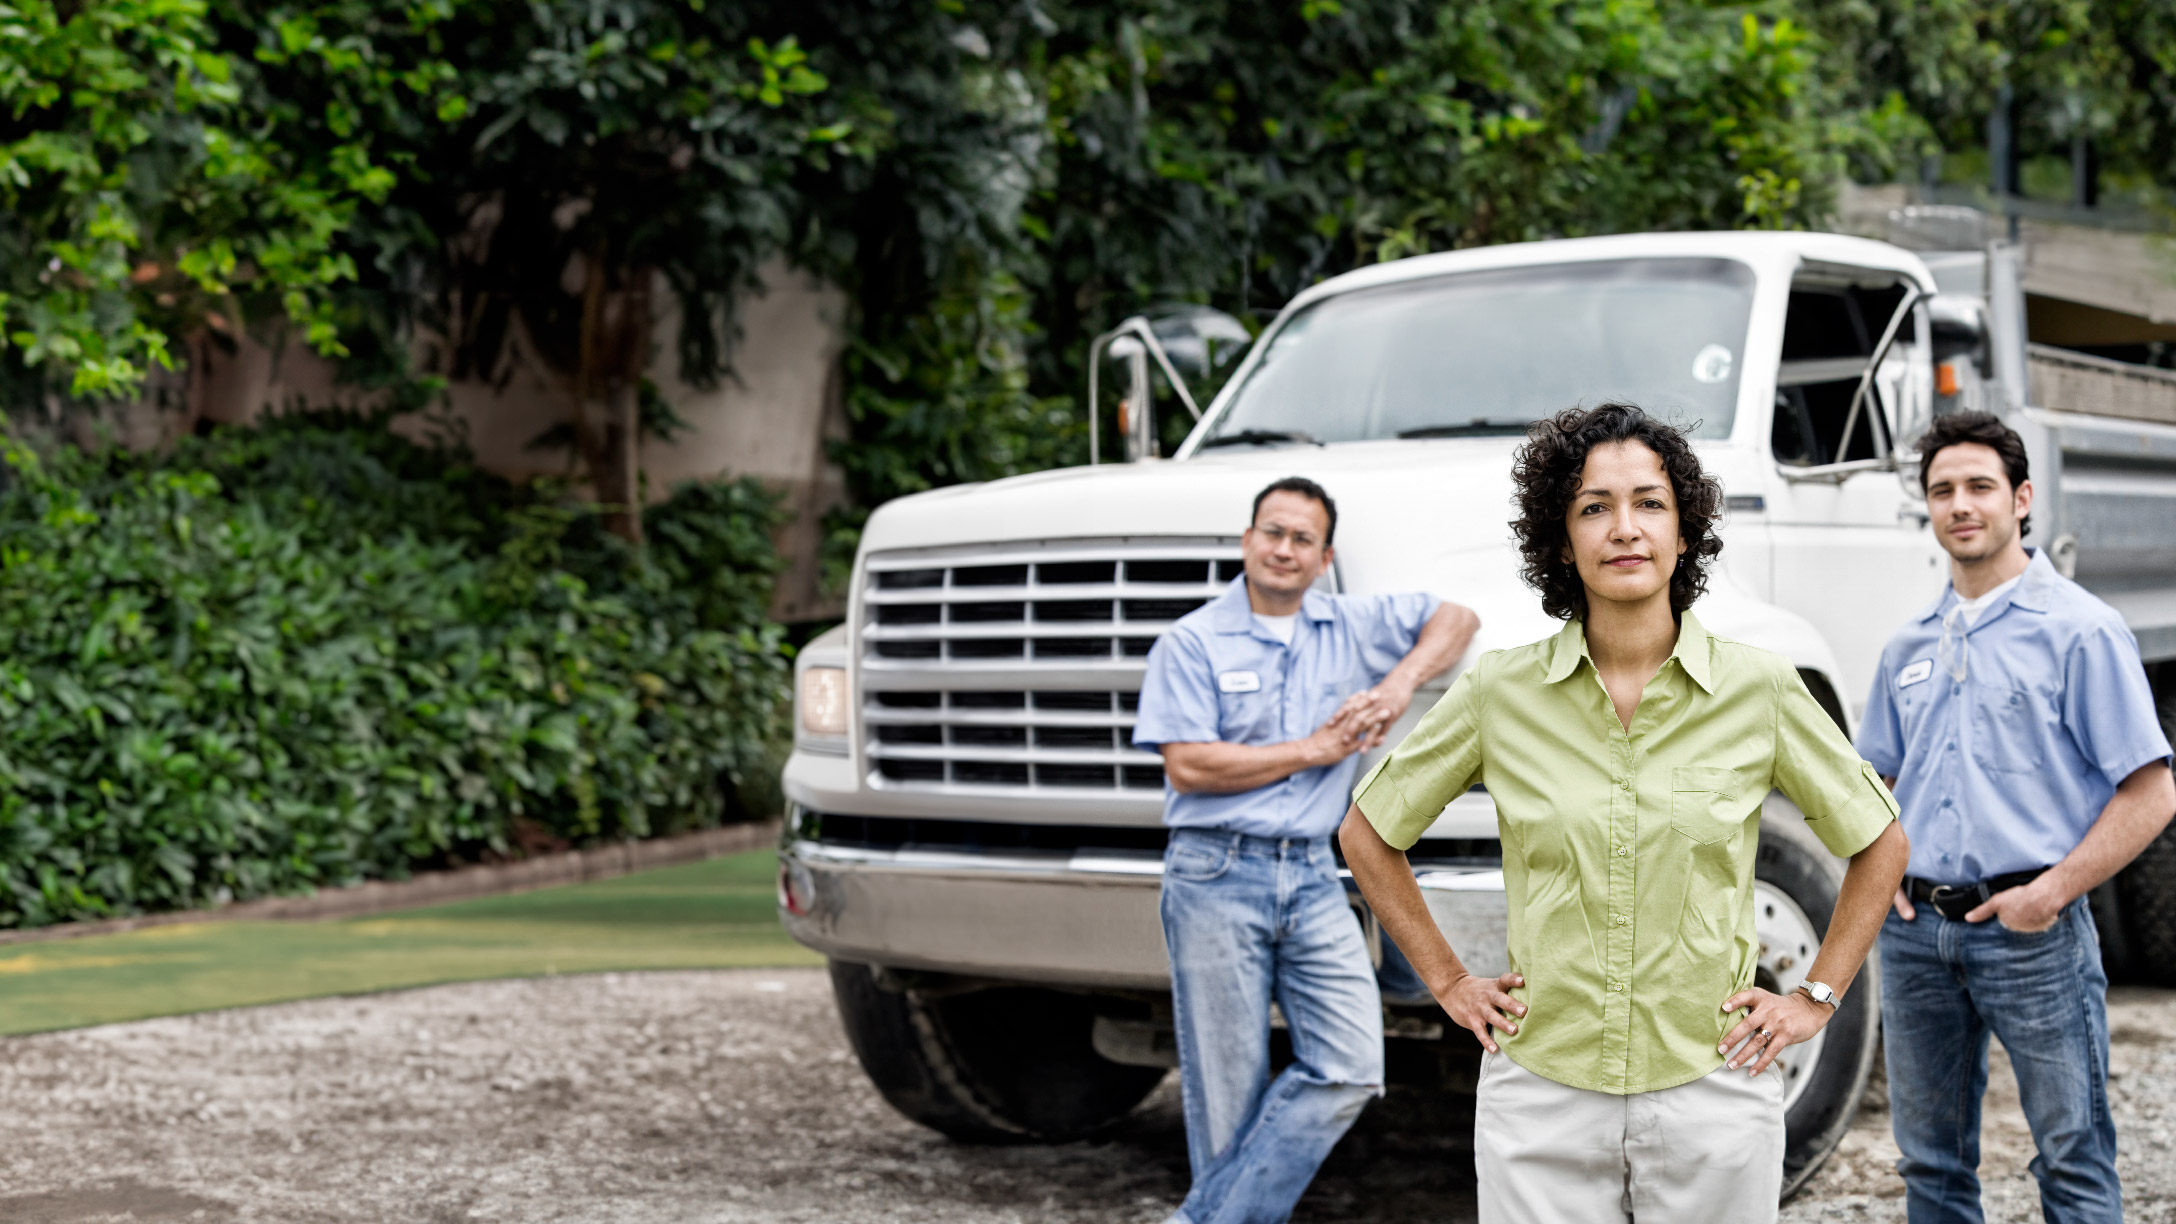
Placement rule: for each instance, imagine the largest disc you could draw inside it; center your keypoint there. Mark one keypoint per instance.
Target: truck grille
(1022, 668)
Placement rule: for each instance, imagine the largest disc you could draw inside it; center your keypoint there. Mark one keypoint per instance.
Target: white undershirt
(1280, 627)
(1970, 609)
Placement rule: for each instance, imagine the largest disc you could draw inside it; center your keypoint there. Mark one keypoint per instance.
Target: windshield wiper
(1261, 437)
(1477, 427)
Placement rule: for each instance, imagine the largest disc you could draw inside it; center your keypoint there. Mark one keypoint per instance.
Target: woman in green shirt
(1627, 756)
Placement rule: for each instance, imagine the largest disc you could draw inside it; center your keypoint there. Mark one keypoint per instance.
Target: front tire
(1005, 1064)
(1795, 895)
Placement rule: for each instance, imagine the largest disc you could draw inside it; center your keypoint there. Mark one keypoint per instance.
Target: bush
(317, 653)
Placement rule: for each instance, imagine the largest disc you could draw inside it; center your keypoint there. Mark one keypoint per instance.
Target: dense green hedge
(317, 653)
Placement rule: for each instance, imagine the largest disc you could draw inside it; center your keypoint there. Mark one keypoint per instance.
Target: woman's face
(1621, 529)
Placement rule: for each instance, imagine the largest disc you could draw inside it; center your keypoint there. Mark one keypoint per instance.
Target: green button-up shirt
(1628, 854)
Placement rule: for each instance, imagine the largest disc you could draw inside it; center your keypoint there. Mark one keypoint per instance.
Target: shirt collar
(1234, 614)
(1694, 651)
(2033, 592)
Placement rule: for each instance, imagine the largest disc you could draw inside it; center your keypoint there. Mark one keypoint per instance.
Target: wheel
(2146, 895)
(1004, 1064)
(1794, 894)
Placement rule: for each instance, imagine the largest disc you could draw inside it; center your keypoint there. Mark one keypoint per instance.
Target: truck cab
(974, 842)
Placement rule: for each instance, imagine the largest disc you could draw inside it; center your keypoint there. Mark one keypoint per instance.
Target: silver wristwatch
(1819, 993)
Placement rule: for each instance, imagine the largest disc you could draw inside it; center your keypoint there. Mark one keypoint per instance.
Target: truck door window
(1829, 333)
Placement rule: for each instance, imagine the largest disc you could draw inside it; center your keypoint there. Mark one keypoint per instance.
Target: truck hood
(1430, 516)
(1412, 515)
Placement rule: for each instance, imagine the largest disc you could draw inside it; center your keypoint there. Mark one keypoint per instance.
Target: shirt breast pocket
(2006, 726)
(1247, 718)
(1704, 804)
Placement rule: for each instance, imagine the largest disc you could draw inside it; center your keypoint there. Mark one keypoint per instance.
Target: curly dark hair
(1546, 473)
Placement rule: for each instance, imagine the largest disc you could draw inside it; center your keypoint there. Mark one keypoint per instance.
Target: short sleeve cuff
(1396, 821)
(1853, 824)
(2124, 770)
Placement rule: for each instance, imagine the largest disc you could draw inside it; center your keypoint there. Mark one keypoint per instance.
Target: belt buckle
(1942, 896)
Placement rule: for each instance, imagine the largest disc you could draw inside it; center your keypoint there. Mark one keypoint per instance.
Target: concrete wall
(770, 419)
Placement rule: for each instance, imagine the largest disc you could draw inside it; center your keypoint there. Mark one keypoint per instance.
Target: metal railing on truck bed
(2076, 382)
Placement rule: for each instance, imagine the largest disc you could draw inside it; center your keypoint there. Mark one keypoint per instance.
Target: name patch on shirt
(1914, 673)
(1238, 682)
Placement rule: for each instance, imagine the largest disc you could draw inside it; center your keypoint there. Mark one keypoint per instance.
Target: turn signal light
(1945, 379)
(822, 701)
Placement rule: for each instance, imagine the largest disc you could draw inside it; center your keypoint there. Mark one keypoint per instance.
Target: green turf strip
(715, 914)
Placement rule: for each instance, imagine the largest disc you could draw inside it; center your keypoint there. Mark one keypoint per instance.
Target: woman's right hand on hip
(1477, 1004)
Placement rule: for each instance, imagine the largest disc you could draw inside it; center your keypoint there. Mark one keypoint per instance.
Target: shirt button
(1624, 852)
(1617, 986)
(1621, 920)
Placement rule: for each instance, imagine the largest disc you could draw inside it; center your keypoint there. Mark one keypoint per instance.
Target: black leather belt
(1954, 901)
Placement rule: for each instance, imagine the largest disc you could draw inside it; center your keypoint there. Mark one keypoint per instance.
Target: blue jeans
(1248, 920)
(1945, 986)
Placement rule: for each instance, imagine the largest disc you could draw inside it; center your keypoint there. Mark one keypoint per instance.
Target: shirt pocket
(2006, 727)
(1248, 718)
(1704, 804)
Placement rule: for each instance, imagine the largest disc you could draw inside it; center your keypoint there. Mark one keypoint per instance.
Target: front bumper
(1087, 918)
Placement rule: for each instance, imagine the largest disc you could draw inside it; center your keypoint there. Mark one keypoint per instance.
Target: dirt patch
(132, 1202)
(1860, 1181)
(672, 1098)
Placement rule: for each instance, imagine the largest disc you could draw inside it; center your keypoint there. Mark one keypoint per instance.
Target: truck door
(1852, 550)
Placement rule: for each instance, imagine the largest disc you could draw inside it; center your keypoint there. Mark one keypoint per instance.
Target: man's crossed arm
(1359, 724)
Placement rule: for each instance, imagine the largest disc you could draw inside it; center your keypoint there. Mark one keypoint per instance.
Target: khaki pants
(1710, 1150)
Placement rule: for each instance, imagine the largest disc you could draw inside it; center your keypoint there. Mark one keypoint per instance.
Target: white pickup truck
(975, 843)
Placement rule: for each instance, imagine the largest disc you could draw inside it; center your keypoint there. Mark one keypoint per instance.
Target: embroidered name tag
(1914, 673)
(1238, 682)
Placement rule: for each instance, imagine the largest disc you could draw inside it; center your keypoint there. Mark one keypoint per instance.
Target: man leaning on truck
(2014, 721)
(1259, 701)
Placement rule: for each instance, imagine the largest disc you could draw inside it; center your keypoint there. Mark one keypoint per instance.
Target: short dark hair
(1985, 428)
(1546, 473)
(1305, 488)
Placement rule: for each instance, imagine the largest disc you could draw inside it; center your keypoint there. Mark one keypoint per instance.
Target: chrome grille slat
(995, 718)
(1108, 590)
(993, 752)
(1014, 629)
(1001, 670)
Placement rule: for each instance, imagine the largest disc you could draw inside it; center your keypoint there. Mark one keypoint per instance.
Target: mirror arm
(1873, 366)
(1137, 327)
(1141, 330)
(1095, 364)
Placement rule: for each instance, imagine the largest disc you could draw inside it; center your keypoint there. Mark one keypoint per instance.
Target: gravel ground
(725, 1096)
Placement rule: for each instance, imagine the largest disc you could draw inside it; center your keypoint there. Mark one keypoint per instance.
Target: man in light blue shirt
(1259, 702)
(2016, 724)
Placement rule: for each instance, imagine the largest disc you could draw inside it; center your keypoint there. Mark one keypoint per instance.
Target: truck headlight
(822, 702)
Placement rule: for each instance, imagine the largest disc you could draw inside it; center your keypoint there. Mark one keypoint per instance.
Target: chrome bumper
(1088, 919)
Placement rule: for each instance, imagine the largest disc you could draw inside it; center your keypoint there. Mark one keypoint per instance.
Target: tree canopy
(992, 182)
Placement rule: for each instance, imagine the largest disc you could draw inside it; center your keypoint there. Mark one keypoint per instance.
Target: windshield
(1489, 352)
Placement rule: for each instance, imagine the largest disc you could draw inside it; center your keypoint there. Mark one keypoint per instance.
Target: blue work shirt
(1217, 675)
(2007, 769)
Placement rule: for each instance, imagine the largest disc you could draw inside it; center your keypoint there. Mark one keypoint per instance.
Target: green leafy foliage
(1232, 154)
(318, 653)
(143, 190)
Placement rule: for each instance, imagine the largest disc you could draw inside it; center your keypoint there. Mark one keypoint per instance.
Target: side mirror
(1183, 342)
(1959, 324)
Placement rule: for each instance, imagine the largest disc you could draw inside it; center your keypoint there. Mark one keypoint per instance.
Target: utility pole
(2002, 153)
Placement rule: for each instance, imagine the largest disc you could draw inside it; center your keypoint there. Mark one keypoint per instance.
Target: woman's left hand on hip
(1774, 1021)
